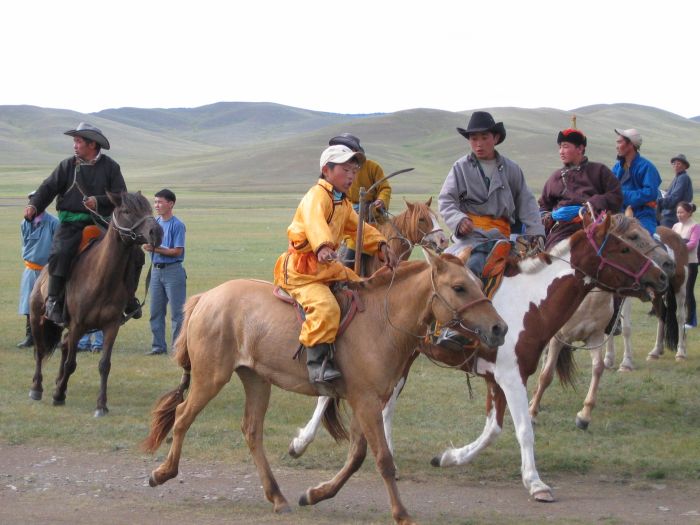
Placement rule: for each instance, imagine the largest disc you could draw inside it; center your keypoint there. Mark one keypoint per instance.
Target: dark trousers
(692, 316)
(65, 245)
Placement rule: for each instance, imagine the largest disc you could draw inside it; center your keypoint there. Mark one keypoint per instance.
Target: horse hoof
(35, 395)
(282, 509)
(680, 358)
(582, 424)
(544, 496)
(101, 412)
(59, 402)
(152, 481)
(435, 462)
(625, 368)
(304, 499)
(652, 357)
(293, 452)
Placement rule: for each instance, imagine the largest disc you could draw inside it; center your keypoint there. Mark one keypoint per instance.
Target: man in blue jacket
(639, 178)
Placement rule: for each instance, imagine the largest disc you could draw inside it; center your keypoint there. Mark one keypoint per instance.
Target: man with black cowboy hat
(680, 190)
(80, 184)
(578, 182)
(484, 194)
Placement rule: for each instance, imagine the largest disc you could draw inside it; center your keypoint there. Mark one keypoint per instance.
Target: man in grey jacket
(485, 194)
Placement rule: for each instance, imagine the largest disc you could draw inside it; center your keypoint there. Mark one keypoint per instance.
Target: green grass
(645, 424)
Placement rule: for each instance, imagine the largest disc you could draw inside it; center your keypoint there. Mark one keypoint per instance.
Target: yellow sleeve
(313, 210)
(384, 189)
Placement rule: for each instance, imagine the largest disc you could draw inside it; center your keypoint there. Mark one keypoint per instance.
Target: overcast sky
(354, 56)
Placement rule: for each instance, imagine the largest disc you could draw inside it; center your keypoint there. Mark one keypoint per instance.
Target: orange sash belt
(488, 222)
(33, 266)
(305, 263)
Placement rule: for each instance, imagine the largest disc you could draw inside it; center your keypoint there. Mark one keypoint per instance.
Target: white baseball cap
(338, 154)
(632, 134)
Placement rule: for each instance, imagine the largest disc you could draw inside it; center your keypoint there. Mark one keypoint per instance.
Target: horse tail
(163, 413)
(566, 366)
(670, 321)
(50, 334)
(333, 421)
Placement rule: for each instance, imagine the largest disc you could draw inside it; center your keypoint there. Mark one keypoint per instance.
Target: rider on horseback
(80, 185)
(306, 269)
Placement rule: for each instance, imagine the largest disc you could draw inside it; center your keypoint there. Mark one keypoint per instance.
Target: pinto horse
(240, 326)
(537, 296)
(589, 322)
(95, 295)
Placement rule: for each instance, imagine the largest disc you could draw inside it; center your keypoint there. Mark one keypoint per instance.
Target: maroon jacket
(591, 182)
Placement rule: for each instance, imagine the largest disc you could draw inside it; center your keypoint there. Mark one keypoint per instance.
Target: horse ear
(431, 257)
(429, 201)
(629, 213)
(465, 254)
(115, 198)
(409, 205)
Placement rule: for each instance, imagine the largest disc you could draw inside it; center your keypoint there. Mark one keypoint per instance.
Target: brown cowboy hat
(89, 132)
(481, 121)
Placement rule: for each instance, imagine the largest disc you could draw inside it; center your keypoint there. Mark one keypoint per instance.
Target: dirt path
(64, 486)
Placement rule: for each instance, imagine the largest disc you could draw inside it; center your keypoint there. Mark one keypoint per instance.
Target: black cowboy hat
(575, 136)
(481, 121)
(346, 139)
(89, 132)
(682, 158)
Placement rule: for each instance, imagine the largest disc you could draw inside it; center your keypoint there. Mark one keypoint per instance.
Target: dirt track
(60, 486)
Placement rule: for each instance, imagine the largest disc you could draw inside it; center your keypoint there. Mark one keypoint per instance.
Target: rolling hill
(252, 147)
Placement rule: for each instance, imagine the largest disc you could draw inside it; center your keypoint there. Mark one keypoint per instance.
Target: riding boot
(318, 361)
(133, 305)
(54, 301)
(28, 340)
(452, 340)
(132, 309)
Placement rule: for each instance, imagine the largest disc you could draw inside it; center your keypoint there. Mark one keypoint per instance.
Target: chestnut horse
(589, 322)
(240, 326)
(96, 295)
(537, 296)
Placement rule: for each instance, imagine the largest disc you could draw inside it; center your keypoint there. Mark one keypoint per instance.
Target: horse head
(631, 230)
(133, 219)
(426, 230)
(458, 300)
(612, 263)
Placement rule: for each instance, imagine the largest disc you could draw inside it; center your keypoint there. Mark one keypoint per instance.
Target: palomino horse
(668, 307)
(240, 326)
(537, 296)
(589, 322)
(95, 295)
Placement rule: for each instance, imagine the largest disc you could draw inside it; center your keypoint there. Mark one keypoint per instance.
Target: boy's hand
(326, 255)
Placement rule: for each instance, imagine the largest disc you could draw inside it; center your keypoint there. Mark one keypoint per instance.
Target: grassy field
(646, 424)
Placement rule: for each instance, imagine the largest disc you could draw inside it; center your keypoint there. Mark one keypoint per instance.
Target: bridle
(422, 242)
(128, 235)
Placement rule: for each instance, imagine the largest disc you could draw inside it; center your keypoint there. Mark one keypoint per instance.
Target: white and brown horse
(538, 295)
(241, 327)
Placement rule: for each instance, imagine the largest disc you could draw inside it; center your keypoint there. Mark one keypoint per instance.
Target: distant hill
(236, 146)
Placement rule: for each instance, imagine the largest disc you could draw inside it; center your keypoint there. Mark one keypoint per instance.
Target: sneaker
(82, 349)
(96, 349)
(156, 351)
(689, 326)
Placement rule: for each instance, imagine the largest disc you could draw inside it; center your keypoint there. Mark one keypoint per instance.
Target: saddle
(91, 234)
(349, 301)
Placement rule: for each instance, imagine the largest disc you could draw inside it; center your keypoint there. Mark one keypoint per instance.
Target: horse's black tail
(670, 322)
(566, 366)
(333, 421)
(50, 336)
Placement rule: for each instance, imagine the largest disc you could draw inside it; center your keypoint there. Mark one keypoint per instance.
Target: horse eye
(625, 249)
(458, 288)
(634, 237)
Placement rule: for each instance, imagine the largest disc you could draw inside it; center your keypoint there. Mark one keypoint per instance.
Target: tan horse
(589, 322)
(239, 326)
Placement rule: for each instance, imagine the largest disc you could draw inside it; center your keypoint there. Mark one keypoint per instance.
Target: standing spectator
(37, 235)
(680, 190)
(638, 177)
(169, 279)
(91, 341)
(689, 230)
(578, 182)
(370, 173)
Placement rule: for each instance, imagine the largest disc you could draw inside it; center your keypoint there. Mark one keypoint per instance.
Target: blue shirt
(173, 237)
(640, 186)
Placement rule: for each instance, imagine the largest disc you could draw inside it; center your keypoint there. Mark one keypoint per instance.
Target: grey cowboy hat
(90, 132)
(481, 121)
(682, 158)
(346, 139)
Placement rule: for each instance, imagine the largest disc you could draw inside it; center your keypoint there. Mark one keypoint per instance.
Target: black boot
(132, 309)
(318, 361)
(28, 340)
(54, 301)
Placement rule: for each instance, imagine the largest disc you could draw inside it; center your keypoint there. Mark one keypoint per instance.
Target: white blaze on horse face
(436, 235)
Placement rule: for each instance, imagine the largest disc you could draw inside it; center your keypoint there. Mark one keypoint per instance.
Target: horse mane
(619, 223)
(535, 263)
(407, 221)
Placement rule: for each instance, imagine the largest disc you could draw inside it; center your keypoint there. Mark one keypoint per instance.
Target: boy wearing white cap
(322, 219)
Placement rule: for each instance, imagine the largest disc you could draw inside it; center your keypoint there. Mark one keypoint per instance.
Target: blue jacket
(680, 190)
(640, 188)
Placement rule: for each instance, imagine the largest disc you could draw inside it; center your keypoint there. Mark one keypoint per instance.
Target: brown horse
(240, 326)
(96, 295)
(589, 322)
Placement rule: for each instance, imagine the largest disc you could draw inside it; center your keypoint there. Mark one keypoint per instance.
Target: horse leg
(495, 409)
(201, 391)
(681, 352)
(67, 366)
(658, 349)
(626, 365)
(257, 399)
(388, 414)
(307, 434)
(110, 334)
(366, 421)
(609, 360)
(595, 343)
(546, 377)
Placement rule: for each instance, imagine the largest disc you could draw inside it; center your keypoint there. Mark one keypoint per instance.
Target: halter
(590, 234)
(128, 234)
